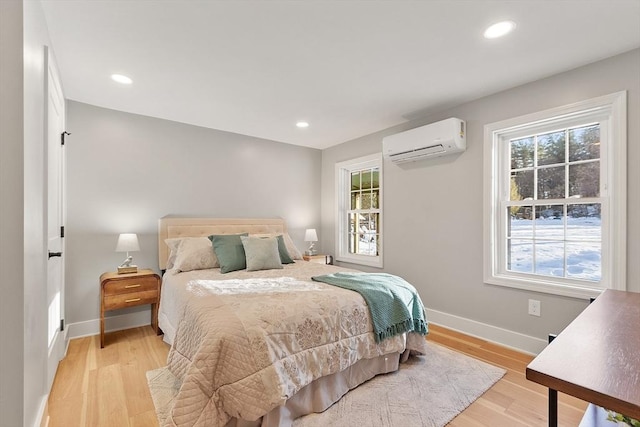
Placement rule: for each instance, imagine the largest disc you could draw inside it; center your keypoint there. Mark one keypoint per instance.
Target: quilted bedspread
(243, 347)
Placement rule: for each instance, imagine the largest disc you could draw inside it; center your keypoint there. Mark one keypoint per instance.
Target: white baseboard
(40, 420)
(66, 341)
(515, 340)
(111, 324)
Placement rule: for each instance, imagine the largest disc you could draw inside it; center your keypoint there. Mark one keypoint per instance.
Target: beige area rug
(426, 391)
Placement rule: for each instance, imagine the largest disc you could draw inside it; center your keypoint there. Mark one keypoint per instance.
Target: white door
(55, 121)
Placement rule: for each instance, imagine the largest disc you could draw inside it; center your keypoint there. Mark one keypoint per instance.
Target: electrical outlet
(534, 307)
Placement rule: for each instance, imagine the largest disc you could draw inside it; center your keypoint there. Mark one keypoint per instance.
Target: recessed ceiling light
(499, 29)
(302, 125)
(121, 79)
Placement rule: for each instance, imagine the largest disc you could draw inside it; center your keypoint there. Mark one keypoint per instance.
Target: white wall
(11, 214)
(126, 171)
(433, 210)
(23, 325)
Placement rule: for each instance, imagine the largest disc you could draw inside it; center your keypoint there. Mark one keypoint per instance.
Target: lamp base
(128, 269)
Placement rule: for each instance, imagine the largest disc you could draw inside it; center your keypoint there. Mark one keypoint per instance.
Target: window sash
(504, 177)
(610, 112)
(343, 198)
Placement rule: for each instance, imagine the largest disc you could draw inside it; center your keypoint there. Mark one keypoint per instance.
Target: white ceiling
(349, 68)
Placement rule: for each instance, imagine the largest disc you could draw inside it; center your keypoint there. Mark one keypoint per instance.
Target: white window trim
(614, 240)
(343, 176)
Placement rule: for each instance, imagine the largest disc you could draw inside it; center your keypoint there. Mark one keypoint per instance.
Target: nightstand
(318, 259)
(129, 290)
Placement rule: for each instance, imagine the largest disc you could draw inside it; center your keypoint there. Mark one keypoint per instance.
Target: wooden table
(597, 357)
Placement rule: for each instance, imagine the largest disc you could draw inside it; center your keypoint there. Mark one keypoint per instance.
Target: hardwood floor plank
(481, 343)
(108, 407)
(71, 371)
(499, 399)
(108, 387)
(68, 412)
(138, 397)
(484, 413)
(477, 352)
(145, 419)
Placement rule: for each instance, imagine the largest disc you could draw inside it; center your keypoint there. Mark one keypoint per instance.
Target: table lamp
(127, 242)
(310, 235)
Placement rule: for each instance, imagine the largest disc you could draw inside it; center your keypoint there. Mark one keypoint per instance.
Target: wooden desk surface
(597, 357)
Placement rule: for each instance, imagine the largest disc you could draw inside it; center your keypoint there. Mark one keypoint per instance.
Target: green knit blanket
(394, 304)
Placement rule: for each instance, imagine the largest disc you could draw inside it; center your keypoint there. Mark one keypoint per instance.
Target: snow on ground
(582, 248)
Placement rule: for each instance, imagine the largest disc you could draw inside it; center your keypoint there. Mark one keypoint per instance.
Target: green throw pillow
(261, 253)
(229, 251)
(282, 249)
(285, 258)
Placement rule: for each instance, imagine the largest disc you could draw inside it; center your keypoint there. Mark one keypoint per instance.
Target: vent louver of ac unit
(408, 156)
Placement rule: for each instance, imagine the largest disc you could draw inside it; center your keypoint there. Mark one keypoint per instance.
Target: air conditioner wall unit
(433, 140)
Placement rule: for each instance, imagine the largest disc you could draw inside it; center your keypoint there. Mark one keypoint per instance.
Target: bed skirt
(325, 391)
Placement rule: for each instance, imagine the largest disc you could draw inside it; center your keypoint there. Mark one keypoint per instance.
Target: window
(555, 199)
(359, 214)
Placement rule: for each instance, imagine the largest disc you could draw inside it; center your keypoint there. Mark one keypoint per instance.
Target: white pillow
(173, 244)
(294, 253)
(261, 253)
(195, 253)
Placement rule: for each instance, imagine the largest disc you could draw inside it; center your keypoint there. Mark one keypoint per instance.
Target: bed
(263, 347)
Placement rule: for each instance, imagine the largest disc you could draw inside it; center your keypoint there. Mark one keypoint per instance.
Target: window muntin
(359, 217)
(555, 199)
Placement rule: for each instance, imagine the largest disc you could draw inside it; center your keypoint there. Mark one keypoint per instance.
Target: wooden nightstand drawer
(133, 284)
(131, 299)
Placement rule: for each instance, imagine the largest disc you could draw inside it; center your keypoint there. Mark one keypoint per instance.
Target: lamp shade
(128, 242)
(310, 235)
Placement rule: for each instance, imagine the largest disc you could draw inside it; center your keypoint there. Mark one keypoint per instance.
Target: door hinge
(61, 325)
(62, 135)
(62, 231)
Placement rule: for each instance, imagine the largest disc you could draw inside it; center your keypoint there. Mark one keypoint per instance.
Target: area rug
(426, 391)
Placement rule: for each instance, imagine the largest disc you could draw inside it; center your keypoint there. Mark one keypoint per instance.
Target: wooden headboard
(172, 226)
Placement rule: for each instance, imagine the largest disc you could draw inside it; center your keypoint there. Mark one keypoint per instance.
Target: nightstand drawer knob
(131, 286)
(132, 300)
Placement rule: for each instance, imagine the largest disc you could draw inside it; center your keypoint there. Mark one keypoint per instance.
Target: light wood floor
(107, 387)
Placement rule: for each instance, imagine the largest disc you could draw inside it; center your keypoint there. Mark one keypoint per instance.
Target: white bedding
(245, 343)
(175, 293)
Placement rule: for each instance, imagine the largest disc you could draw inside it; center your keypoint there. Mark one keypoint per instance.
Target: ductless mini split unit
(434, 140)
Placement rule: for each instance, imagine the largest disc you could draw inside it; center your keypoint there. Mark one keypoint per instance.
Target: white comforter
(243, 347)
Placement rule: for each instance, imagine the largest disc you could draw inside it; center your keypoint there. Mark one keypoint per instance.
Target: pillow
(291, 247)
(292, 251)
(173, 244)
(285, 258)
(195, 254)
(261, 253)
(229, 251)
(282, 250)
